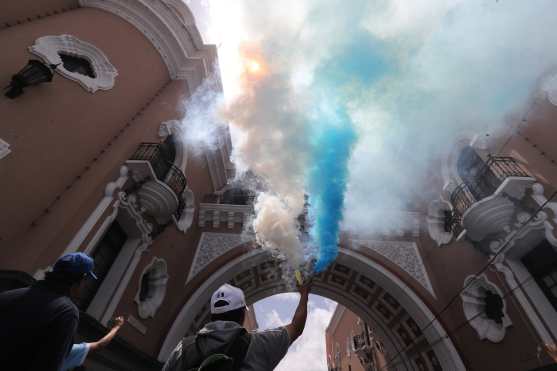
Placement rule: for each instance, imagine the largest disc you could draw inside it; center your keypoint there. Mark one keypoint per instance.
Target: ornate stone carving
(405, 254)
(158, 200)
(154, 290)
(485, 308)
(436, 221)
(50, 47)
(213, 245)
(268, 277)
(186, 219)
(170, 27)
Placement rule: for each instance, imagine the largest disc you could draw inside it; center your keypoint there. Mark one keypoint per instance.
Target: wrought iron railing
(506, 166)
(244, 198)
(485, 183)
(461, 199)
(164, 169)
(152, 153)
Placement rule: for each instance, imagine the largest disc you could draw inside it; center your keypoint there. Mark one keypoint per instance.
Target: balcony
(485, 202)
(159, 184)
(232, 208)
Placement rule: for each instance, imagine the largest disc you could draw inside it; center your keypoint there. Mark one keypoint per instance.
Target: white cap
(231, 295)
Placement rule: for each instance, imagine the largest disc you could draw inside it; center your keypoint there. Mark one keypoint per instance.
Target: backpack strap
(239, 349)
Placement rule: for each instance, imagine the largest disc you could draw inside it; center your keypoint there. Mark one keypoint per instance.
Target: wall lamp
(34, 73)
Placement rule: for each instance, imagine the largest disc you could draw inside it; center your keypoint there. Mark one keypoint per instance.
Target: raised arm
(296, 327)
(119, 321)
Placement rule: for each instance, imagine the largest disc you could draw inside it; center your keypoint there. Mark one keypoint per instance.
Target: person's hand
(119, 321)
(305, 288)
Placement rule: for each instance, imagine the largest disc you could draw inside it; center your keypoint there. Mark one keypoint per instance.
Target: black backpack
(229, 357)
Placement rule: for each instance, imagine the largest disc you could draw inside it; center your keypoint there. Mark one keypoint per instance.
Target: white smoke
(455, 66)
(202, 117)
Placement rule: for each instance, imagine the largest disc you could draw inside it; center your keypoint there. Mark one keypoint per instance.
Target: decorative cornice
(50, 47)
(170, 27)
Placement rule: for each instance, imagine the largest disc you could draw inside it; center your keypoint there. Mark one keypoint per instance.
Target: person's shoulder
(14, 293)
(270, 330)
(64, 307)
(269, 333)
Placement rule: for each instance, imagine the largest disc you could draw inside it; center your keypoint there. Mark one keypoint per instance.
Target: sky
(277, 310)
(354, 102)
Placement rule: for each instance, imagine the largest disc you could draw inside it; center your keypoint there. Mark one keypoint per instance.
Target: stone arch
(355, 281)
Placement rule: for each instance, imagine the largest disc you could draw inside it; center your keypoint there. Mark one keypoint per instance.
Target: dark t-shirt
(37, 326)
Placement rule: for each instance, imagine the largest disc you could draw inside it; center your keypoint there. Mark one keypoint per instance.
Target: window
(484, 308)
(541, 262)
(152, 288)
(472, 169)
(77, 64)
(77, 60)
(104, 256)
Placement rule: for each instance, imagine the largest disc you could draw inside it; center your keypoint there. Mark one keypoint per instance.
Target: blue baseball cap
(76, 263)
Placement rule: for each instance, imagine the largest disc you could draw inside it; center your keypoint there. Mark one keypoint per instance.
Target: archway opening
(365, 287)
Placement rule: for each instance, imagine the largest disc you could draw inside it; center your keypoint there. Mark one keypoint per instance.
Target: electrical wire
(482, 270)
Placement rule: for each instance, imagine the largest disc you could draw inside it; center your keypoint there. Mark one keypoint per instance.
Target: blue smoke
(332, 146)
(356, 65)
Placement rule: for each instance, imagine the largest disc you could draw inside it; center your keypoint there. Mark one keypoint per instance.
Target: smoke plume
(351, 102)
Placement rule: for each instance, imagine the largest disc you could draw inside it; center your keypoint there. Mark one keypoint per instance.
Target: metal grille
(152, 153)
(176, 180)
(504, 167)
(489, 178)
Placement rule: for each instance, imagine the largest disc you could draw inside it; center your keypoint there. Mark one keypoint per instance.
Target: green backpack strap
(217, 362)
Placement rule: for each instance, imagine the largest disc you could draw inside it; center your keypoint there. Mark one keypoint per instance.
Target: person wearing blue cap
(38, 323)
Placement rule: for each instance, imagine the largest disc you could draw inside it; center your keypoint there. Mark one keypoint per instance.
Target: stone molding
(170, 26)
(148, 308)
(116, 281)
(473, 305)
(404, 254)
(543, 317)
(217, 168)
(436, 222)
(49, 47)
(4, 149)
(188, 214)
(111, 193)
(211, 246)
